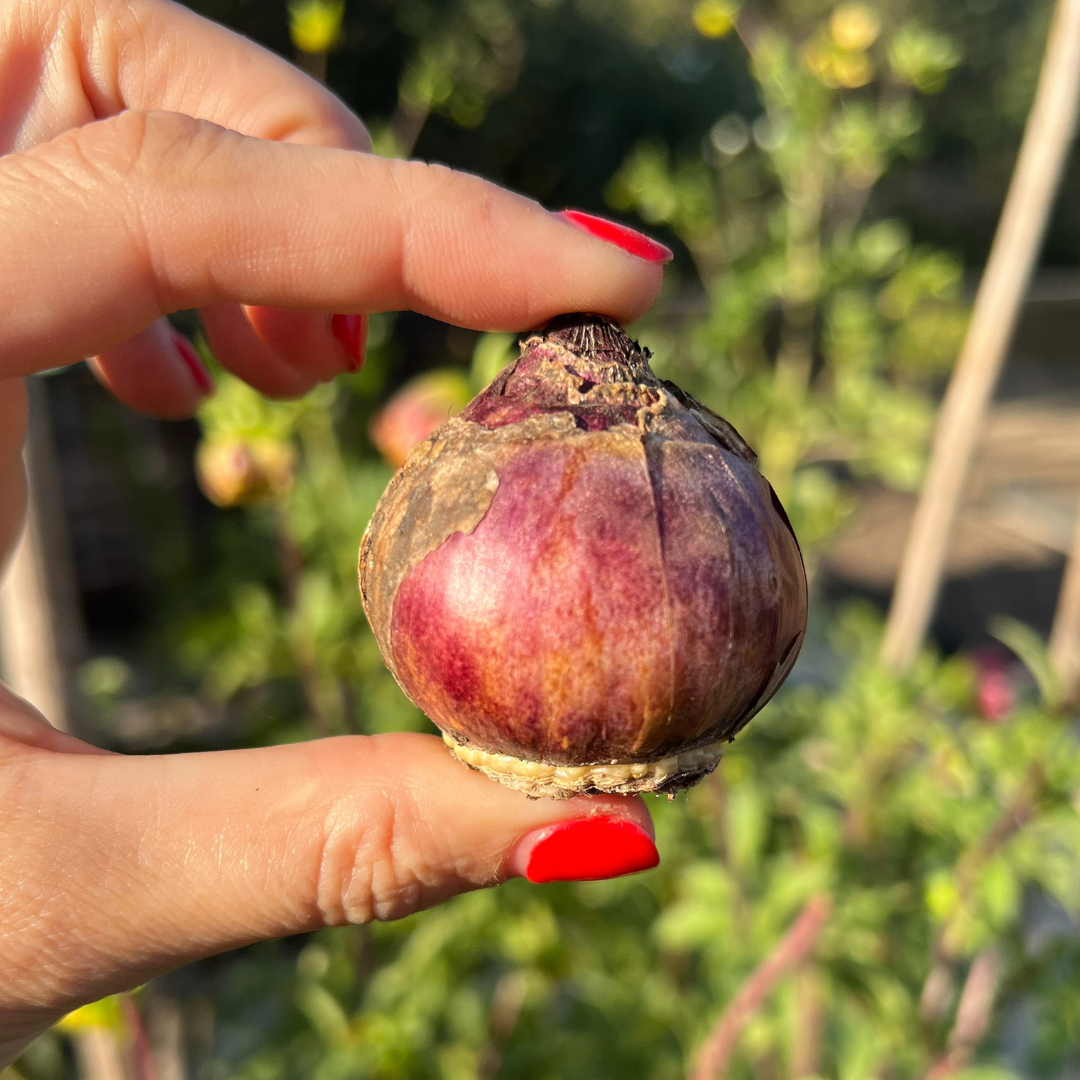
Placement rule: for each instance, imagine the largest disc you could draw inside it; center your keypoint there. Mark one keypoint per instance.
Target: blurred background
(830, 178)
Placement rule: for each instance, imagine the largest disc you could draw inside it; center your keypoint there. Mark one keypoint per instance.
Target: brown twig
(406, 125)
(809, 1020)
(1013, 818)
(937, 989)
(143, 1066)
(792, 948)
(972, 1015)
(291, 566)
(1047, 136)
(505, 1011)
(312, 63)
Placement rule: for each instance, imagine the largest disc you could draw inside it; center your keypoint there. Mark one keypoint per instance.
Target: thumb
(129, 866)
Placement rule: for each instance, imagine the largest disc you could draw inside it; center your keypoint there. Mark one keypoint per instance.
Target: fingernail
(351, 331)
(628, 239)
(194, 365)
(585, 849)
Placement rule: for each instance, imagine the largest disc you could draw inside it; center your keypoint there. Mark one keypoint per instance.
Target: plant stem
(406, 124)
(1013, 818)
(1047, 136)
(809, 1019)
(141, 1057)
(937, 988)
(291, 563)
(503, 1016)
(972, 1015)
(795, 357)
(792, 948)
(313, 63)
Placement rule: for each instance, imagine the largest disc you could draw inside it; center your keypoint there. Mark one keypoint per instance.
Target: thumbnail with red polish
(351, 331)
(192, 362)
(628, 239)
(588, 849)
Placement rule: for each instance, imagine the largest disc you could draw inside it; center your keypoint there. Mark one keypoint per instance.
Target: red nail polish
(193, 363)
(588, 849)
(628, 239)
(351, 331)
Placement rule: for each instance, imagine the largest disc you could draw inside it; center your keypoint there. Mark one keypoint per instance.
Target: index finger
(143, 214)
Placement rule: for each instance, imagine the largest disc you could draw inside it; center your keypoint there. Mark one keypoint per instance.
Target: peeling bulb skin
(583, 579)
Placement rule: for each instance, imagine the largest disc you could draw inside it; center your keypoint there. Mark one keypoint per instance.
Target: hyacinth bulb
(583, 579)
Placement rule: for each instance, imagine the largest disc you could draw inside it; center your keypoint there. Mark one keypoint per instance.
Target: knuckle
(375, 862)
(136, 145)
(125, 152)
(359, 876)
(465, 206)
(101, 153)
(155, 147)
(135, 167)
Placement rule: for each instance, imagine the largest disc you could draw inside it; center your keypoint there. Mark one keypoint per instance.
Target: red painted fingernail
(628, 239)
(351, 331)
(587, 849)
(193, 363)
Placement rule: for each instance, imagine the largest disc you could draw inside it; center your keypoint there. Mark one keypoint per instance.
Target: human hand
(154, 161)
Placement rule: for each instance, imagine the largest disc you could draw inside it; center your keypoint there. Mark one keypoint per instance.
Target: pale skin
(153, 161)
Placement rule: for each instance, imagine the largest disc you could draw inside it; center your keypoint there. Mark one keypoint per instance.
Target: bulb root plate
(539, 780)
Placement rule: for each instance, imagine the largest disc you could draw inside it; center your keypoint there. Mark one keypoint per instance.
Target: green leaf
(1031, 649)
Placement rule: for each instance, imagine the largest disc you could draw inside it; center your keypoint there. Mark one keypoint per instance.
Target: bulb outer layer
(583, 579)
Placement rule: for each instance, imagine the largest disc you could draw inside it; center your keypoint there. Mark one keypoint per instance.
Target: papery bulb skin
(583, 579)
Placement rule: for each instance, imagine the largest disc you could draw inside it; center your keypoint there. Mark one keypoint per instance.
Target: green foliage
(823, 330)
(300, 623)
(932, 830)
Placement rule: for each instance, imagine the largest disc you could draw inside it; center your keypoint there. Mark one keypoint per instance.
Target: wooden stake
(1065, 634)
(40, 622)
(98, 1055)
(1049, 132)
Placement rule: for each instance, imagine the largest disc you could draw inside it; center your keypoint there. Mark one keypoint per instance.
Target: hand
(154, 161)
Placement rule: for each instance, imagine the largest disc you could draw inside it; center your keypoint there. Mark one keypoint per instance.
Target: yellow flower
(315, 24)
(852, 69)
(836, 68)
(854, 27)
(715, 18)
